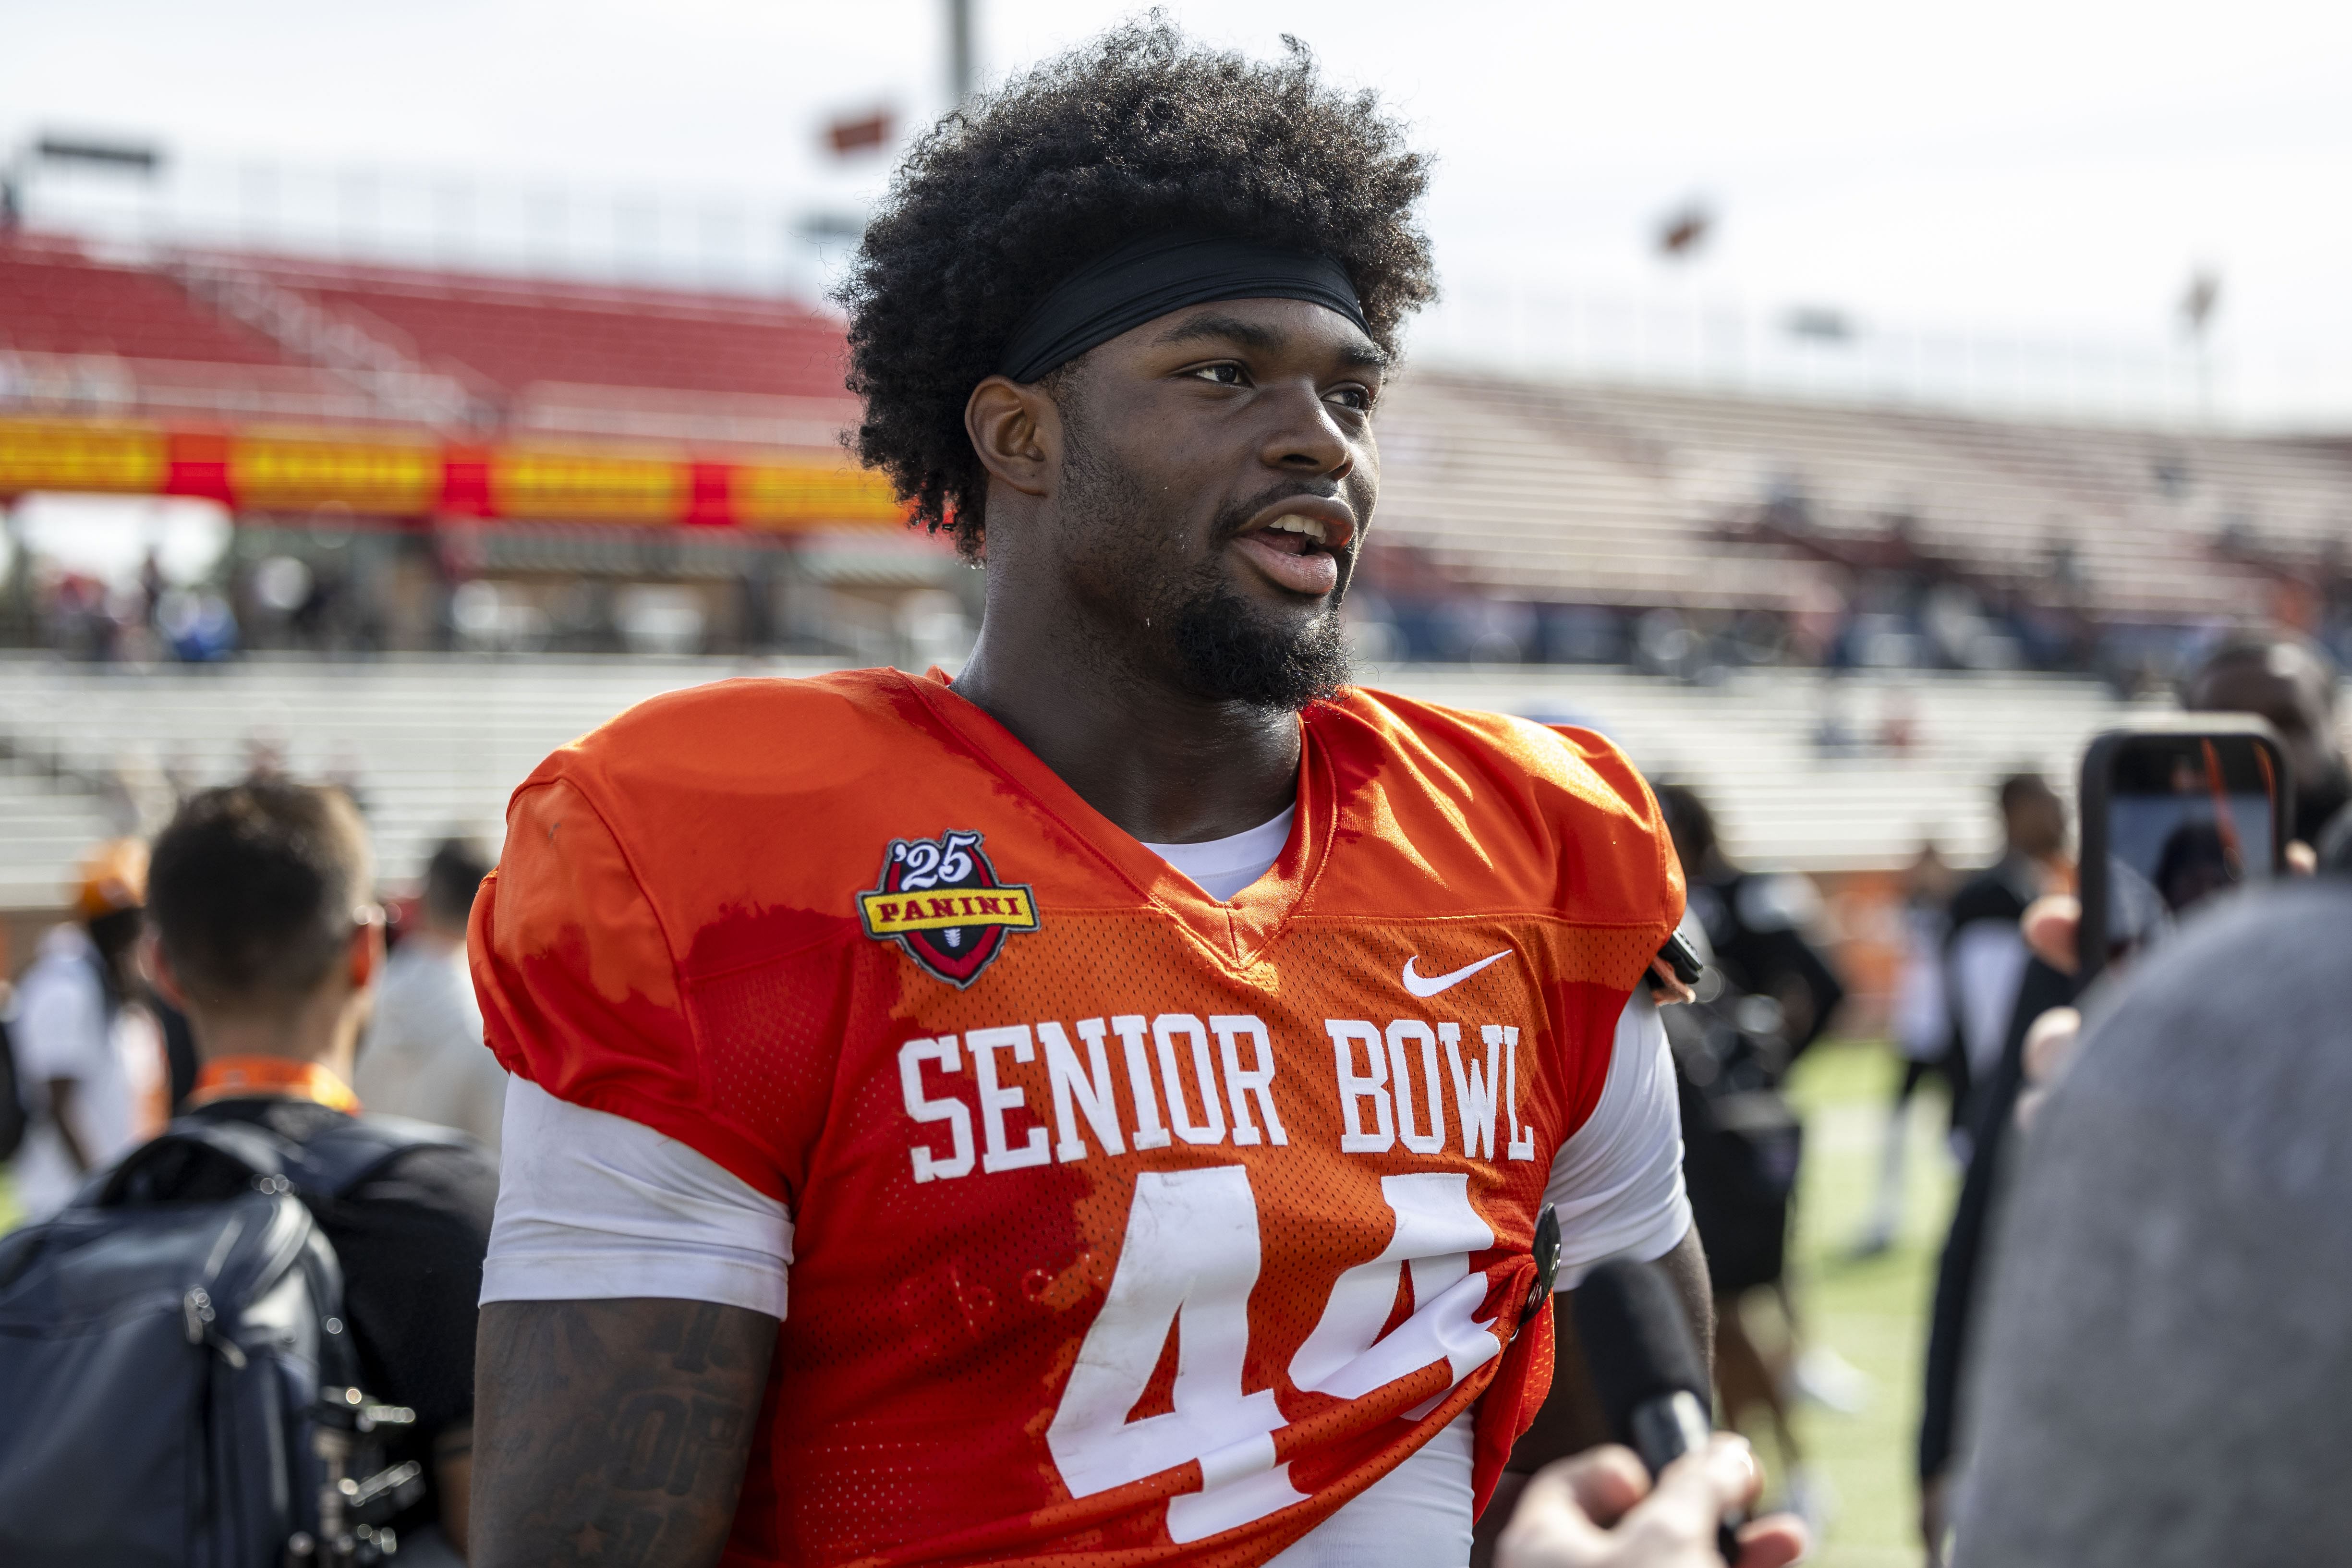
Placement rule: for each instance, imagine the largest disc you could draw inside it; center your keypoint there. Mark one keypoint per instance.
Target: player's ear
(1017, 431)
(365, 956)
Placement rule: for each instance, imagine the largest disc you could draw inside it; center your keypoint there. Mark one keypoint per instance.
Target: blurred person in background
(265, 938)
(1772, 993)
(423, 1055)
(1921, 1023)
(2165, 1350)
(1985, 956)
(1756, 923)
(1999, 988)
(90, 1054)
(2291, 681)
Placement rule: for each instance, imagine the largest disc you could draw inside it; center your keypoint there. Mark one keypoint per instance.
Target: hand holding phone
(2174, 814)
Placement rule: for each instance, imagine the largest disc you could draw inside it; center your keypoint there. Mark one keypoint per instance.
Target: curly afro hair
(1136, 133)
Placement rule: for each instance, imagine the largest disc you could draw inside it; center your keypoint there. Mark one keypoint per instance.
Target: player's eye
(1352, 396)
(1223, 373)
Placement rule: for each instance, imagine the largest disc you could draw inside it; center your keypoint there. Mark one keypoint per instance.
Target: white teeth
(1313, 528)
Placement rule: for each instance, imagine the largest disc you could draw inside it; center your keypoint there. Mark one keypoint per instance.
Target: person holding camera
(2164, 1348)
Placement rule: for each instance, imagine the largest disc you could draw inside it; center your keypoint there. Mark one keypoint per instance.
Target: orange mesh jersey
(1130, 1227)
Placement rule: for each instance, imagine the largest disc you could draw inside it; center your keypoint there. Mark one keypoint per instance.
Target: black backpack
(177, 1385)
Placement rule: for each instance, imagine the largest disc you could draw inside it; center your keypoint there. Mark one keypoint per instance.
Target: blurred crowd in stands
(328, 598)
(278, 601)
(1923, 618)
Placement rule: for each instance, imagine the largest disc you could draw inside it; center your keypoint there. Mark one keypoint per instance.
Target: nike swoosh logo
(1431, 984)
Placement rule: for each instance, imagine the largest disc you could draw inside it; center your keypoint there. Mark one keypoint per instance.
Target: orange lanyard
(230, 1077)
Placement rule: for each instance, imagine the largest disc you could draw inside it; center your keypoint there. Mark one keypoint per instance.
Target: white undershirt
(1223, 866)
(593, 1207)
(1987, 960)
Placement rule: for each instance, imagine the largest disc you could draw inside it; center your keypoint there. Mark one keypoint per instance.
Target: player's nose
(1302, 436)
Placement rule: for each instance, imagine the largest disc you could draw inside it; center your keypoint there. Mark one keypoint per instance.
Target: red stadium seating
(560, 357)
(514, 334)
(53, 300)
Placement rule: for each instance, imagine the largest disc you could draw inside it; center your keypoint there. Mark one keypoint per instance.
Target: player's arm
(633, 1285)
(613, 1431)
(613, 1427)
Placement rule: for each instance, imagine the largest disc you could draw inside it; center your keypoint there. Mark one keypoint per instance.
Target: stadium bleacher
(61, 301)
(1505, 488)
(81, 334)
(1648, 495)
(44, 831)
(517, 334)
(1494, 487)
(235, 334)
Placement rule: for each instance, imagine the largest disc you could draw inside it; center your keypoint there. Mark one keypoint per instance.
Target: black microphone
(1645, 1368)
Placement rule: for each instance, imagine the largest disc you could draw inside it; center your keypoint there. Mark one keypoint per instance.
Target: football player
(1100, 1109)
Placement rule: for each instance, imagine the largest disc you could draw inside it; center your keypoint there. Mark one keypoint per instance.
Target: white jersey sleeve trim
(1617, 1182)
(593, 1207)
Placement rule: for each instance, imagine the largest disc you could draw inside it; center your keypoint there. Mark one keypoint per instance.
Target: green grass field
(1872, 1312)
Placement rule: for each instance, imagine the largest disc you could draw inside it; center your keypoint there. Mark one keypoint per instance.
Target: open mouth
(1299, 550)
(1297, 534)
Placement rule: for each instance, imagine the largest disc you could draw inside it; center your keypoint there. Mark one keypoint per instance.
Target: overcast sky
(2045, 167)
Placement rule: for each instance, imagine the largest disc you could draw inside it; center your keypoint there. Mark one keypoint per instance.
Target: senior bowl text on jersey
(1128, 1226)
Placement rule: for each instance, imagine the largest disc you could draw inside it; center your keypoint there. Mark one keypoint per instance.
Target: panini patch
(941, 900)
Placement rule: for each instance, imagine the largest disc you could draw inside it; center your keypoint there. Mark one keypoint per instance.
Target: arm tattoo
(612, 1433)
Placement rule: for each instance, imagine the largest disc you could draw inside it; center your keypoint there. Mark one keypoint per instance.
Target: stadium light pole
(960, 49)
(1682, 235)
(16, 173)
(2196, 314)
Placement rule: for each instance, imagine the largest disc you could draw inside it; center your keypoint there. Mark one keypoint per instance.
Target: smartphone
(2173, 815)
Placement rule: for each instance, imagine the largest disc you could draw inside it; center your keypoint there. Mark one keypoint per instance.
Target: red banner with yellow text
(363, 473)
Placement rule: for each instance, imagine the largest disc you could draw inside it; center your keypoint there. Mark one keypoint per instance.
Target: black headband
(1167, 272)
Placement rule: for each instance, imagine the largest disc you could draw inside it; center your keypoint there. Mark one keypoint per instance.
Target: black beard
(1224, 648)
(1229, 654)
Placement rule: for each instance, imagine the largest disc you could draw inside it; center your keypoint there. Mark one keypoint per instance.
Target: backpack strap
(259, 1152)
(341, 1157)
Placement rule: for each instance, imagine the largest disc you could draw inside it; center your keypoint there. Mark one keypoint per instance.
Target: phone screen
(2187, 816)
